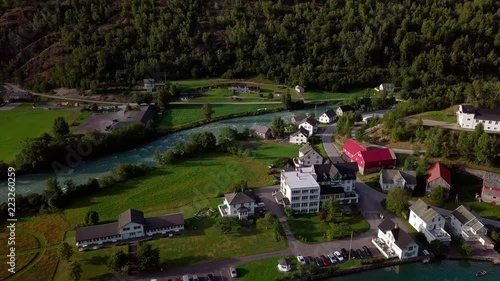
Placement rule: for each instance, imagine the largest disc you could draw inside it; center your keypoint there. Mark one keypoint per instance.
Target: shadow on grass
(97, 260)
(242, 272)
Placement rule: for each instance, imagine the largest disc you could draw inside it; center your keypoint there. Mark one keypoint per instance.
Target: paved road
(331, 150)
(235, 103)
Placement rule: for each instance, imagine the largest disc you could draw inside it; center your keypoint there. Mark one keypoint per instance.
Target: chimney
(396, 226)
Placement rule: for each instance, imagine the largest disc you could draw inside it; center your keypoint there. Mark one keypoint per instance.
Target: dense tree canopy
(326, 44)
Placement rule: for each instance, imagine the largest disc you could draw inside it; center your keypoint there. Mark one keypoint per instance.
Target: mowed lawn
(325, 95)
(25, 122)
(197, 83)
(442, 116)
(264, 269)
(180, 114)
(309, 229)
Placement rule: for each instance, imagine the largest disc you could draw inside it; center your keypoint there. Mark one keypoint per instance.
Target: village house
(298, 118)
(284, 265)
(131, 225)
(17, 96)
(490, 193)
(343, 109)
(328, 116)
(369, 161)
(184, 96)
(468, 117)
(261, 132)
(393, 242)
(239, 204)
(468, 225)
(300, 136)
(240, 88)
(299, 89)
(149, 85)
(107, 122)
(388, 87)
(308, 156)
(426, 220)
(337, 181)
(391, 178)
(310, 124)
(439, 176)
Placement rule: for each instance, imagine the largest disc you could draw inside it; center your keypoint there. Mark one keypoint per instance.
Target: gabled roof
(439, 171)
(239, 198)
(298, 117)
(330, 113)
(130, 215)
(260, 129)
(301, 131)
(284, 262)
(353, 147)
(164, 221)
(96, 231)
(308, 149)
(463, 215)
(377, 155)
(310, 120)
(346, 171)
(389, 176)
(346, 108)
(482, 113)
(423, 211)
(491, 180)
(402, 239)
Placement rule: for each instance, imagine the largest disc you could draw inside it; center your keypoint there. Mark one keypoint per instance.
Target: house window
(305, 191)
(313, 204)
(410, 248)
(126, 228)
(315, 197)
(295, 205)
(295, 198)
(305, 204)
(305, 197)
(137, 227)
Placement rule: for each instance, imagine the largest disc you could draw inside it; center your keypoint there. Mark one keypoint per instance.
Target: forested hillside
(331, 45)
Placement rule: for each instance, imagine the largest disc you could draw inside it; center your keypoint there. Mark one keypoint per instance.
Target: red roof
(377, 155)
(439, 171)
(353, 147)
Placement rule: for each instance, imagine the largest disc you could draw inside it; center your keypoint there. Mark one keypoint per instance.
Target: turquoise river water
(437, 271)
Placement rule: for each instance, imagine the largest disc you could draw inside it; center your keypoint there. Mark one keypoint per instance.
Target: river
(438, 271)
(145, 153)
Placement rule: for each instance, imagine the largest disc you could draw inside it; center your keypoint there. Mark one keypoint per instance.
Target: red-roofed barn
(490, 192)
(439, 175)
(369, 161)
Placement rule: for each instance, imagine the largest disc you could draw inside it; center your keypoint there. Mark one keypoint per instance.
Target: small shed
(284, 265)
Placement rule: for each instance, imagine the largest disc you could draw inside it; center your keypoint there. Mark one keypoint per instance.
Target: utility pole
(350, 246)
(315, 114)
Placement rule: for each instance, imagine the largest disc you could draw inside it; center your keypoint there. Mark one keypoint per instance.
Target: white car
(339, 256)
(426, 252)
(301, 260)
(233, 272)
(261, 205)
(332, 258)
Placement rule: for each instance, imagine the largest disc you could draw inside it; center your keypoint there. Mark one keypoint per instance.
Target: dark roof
(330, 113)
(301, 130)
(310, 120)
(129, 216)
(253, 88)
(288, 168)
(389, 176)
(239, 198)
(239, 85)
(346, 108)
(491, 180)
(284, 262)
(299, 117)
(164, 221)
(328, 189)
(260, 129)
(402, 239)
(344, 171)
(96, 231)
(482, 113)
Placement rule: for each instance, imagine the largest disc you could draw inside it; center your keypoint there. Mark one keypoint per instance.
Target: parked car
(325, 260)
(368, 251)
(345, 253)
(332, 258)
(354, 255)
(339, 256)
(309, 259)
(185, 277)
(261, 205)
(360, 253)
(210, 277)
(195, 278)
(301, 260)
(318, 262)
(426, 252)
(232, 272)
(271, 166)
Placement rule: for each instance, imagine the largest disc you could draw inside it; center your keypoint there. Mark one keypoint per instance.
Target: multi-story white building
(467, 224)
(301, 190)
(468, 117)
(328, 116)
(429, 222)
(310, 124)
(299, 137)
(393, 242)
(239, 204)
(131, 225)
(337, 181)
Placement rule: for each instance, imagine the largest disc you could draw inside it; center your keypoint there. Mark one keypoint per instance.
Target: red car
(324, 260)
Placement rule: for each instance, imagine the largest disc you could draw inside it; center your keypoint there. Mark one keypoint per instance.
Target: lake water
(143, 154)
(438, 271)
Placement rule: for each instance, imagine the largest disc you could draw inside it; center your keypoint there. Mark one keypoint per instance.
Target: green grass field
(263, 269)
(442, 116)
(196, 83)
(180, 114)
(324, 95)
(25, 122)
(309, 229)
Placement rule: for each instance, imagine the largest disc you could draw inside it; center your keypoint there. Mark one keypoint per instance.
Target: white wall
(308, 127)
(165, 230)
(132, 230)
(298, 139)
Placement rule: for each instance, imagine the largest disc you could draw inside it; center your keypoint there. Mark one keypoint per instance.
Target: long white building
(468, 117)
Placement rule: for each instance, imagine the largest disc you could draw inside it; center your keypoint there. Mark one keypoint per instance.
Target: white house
(299, 137)
(468, 117)
(328, 116)
(343, 109)
(388, 87)
(467, 224)
(299, 89)
(429, 222)
(310, 124)
(149, 85)
(298, 118)
(337, 181)
(301, 190)
(239, 204)
(308, 156)
(284, 265)
(393, 242)
(131, 225)
(391, 178)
